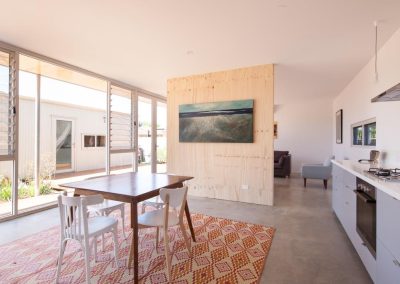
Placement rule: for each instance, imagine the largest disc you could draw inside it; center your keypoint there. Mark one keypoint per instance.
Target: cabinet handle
(395, 198)
(396, 262)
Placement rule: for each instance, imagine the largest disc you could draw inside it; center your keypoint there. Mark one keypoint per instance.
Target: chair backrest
(174, 197)
(328, 162)
(73, 215)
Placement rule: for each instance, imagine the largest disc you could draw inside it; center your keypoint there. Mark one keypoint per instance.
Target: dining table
(132, 188)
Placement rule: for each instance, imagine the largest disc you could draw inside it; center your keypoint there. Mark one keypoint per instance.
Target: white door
(64, 144)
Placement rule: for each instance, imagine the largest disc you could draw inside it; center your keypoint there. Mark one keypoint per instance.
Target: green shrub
(161, 155)
(5, 191)
(45, 188)
(25, 189)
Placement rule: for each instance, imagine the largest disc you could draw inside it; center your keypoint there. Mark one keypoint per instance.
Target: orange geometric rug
(225, 251)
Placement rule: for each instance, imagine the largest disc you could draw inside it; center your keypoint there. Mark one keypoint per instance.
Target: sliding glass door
(145, 151)
(60, 124)
(161, 137)
(8, 128)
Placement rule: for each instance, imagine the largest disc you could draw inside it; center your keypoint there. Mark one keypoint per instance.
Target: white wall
(86, 121)
(304, 129)
(355, 100)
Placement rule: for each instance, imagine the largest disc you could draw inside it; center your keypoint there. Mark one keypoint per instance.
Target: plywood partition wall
(230, 171)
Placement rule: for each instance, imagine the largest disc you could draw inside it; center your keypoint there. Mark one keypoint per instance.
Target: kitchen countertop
(391, 188)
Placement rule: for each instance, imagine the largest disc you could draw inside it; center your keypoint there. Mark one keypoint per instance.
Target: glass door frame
(15, 52)
(13, 157)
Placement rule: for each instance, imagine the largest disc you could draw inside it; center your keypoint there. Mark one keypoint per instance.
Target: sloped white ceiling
(318, 45)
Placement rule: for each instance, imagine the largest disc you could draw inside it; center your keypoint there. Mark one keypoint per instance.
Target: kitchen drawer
(349, 181)
(349, 213)
(337, 174)
(388, 224)
(367, 258)
(337, 190)
(388, 271)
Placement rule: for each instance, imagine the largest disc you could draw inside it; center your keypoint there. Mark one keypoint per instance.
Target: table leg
(189, 220)
(134, 252)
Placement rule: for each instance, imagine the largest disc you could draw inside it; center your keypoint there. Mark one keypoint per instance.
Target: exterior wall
(304, 129)
(231, 171)
(355, 100)
(86, 121)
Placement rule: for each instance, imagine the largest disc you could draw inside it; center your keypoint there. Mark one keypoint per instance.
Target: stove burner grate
(385, 173)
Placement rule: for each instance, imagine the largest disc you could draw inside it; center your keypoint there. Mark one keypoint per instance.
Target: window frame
(88, 148)
(362, 124)
(367, 131)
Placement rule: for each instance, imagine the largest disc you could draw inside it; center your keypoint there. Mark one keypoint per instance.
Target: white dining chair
(154, 202)
(77, 226)
(164, 218)
(105, 209)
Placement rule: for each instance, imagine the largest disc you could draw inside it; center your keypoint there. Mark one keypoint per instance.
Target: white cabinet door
(337, 185)
(367, 258)
(388, 266)
(349, 213)
(349, 180)
(388, 224)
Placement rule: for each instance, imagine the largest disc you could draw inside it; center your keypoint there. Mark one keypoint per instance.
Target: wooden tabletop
(129, 185)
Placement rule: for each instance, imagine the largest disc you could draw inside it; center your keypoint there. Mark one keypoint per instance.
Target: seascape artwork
(229, 122)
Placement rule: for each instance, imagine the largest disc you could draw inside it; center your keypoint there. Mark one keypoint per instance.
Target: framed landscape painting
(230, 122)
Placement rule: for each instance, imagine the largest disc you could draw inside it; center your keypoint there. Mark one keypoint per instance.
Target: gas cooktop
(386, 174)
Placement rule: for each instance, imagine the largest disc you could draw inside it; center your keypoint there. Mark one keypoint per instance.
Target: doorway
(64, 145)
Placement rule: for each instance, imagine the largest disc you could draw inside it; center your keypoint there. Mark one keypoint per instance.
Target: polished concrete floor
(309, 246)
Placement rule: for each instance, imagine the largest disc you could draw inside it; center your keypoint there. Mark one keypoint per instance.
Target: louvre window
(7, 104)
(121, 120)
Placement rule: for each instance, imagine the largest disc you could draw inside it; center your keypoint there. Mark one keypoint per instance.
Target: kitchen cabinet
(385, 268)
(337, 184)
(344, 199)
(388, 266)
(388, 224)
(344, 204)
(348, 199)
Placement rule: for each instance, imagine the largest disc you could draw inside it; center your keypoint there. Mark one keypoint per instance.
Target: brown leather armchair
(282, 164)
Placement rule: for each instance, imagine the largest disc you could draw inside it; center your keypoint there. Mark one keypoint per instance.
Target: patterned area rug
(226, 251)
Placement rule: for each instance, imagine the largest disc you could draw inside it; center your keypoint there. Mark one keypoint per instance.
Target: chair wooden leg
(87, 260)
(185, 237)
(63, 244)
(123, 220)
(167, 252)
(115, 239)
(95, 248)
(325, 184)
(157, 236)
(305, 182)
